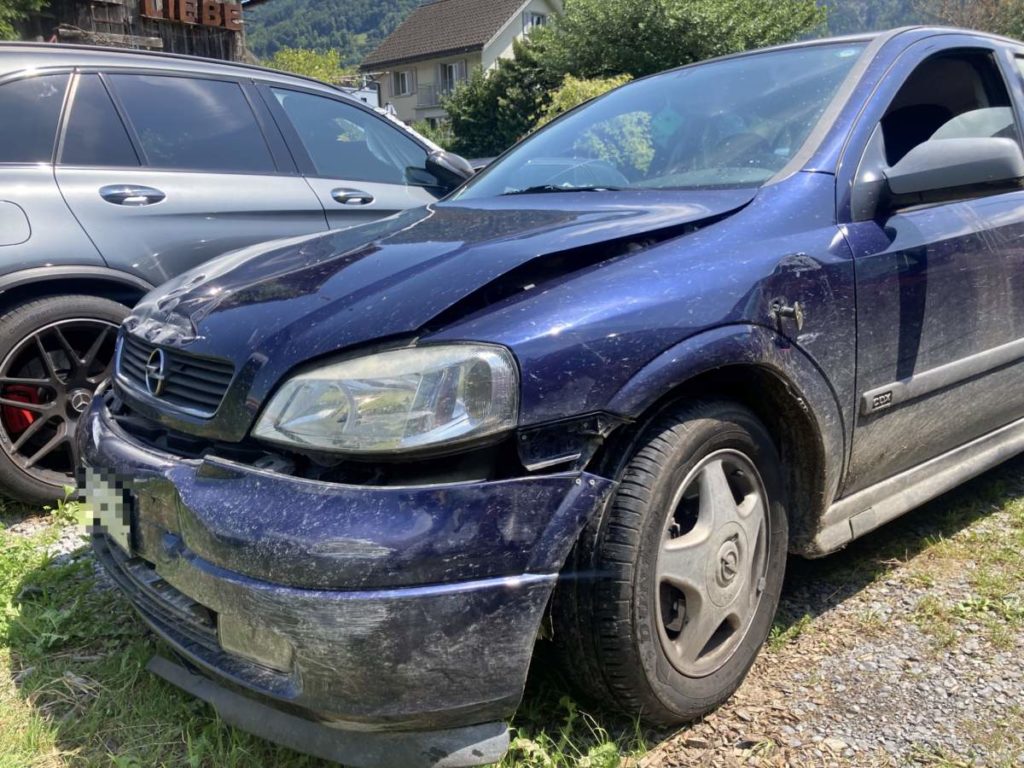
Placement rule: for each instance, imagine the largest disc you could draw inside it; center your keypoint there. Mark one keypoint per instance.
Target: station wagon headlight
(396, 401)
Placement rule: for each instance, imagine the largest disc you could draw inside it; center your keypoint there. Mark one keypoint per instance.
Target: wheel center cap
(723, 576)
(80, 399)
(728, 563)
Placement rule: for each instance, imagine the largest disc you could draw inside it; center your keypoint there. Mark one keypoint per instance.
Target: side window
(344, 142)
(95, 134)
(193, 124)
(29, 112)
(959, 95)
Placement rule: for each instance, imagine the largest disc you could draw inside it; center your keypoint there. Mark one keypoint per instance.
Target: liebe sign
(207, 13)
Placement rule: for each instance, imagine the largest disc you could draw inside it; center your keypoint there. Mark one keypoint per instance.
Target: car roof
(910, 33)
(16, 56)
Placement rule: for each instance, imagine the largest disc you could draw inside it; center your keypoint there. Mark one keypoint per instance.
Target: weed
(784, 631)
(67, 510)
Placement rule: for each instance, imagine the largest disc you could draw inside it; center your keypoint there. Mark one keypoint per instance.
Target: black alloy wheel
(54, 353)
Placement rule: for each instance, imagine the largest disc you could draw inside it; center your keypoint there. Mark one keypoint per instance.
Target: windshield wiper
(544, 188)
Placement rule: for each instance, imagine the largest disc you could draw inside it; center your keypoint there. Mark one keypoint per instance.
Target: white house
(441, 42)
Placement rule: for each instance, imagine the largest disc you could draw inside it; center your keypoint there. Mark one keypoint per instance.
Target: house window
(403, 83)
(531, 20)
(450, 75)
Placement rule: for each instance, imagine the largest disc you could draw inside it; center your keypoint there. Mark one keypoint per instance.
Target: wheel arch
(40, 282)
(779, 383)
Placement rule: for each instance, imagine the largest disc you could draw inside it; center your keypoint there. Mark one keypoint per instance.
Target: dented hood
(287, 302)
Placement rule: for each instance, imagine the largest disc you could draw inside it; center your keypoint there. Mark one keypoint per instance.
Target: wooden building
(210, 28)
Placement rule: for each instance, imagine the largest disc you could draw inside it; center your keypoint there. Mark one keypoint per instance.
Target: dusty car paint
(611, 303)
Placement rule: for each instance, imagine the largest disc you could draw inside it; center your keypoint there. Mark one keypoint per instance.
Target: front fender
(744, 345)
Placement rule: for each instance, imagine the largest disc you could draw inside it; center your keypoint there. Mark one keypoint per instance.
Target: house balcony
(430, 96)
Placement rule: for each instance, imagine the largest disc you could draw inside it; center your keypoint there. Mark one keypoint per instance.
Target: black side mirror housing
(448, 168)
(942, 165)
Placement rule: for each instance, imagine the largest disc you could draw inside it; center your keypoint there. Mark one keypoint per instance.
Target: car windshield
(729, 123)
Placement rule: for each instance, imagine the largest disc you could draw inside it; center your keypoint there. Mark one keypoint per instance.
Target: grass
(74, 690)
(991, 560)
(785, 630)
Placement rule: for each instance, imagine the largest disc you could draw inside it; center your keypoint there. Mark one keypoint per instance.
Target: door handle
(351, 196)
(131, 195)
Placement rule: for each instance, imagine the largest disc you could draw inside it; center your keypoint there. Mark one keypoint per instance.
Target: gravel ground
(866, 682)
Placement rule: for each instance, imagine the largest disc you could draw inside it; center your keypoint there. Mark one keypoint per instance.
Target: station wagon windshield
(729, 123)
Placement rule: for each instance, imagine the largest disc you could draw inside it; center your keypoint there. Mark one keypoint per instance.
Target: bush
(441, 134)
(575, 91)
(604, 40)
(492, 111)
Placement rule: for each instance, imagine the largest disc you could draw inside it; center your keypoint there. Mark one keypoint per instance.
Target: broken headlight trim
(396, 401)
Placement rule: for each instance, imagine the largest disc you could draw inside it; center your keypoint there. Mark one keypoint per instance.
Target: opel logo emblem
(729, 566)
(156, 372)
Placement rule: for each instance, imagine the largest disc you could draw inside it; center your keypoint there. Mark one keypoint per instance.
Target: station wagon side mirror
(448, 168)
(943, 165)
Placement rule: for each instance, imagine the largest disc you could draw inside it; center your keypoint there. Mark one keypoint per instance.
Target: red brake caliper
(16, 419)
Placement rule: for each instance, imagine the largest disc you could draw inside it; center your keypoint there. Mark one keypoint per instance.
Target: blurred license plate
(106, 508)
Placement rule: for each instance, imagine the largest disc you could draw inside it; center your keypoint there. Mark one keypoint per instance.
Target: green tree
(852, 16)
(1003, 17)
(607, 39)
(493, 110)
(604, 38)
(13, 11)
(323, 65)
(574, 91)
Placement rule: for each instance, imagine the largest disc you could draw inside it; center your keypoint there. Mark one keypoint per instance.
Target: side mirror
(939, 165)
(448, 168)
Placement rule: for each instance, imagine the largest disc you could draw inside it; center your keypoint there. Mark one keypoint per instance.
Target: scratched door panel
(937, 288)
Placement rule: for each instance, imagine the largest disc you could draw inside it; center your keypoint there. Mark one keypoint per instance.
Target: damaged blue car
(751, 307)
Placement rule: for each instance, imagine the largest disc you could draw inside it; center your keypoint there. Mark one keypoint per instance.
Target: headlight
(396, 401)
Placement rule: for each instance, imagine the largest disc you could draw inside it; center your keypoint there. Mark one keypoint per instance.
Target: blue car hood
(286, 303)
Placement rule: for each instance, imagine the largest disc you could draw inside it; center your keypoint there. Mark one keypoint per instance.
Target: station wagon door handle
(352, 196)
(131, 195)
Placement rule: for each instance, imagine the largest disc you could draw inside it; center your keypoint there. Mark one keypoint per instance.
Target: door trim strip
(921, 384)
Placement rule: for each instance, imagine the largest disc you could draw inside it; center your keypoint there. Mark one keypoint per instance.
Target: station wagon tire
(704, 481)
(54, 352)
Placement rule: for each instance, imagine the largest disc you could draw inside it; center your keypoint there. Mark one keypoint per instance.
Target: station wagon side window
(345, 142)
(30, 109)
(193, 124)
(94, 134)
(954, 95)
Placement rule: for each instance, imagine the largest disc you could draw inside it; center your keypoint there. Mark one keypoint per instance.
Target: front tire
(54, 353)
(675, 588)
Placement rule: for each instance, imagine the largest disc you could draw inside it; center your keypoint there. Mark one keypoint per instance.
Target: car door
(167, 171)
(36, 227)
(939, 282)
(361, 166)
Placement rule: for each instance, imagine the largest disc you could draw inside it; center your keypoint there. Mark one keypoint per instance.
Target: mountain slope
(355, 27)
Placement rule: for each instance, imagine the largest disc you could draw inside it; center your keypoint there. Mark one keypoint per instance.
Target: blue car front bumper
(378, 613)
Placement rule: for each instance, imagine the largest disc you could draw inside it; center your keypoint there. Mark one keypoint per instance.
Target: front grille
(194, 384)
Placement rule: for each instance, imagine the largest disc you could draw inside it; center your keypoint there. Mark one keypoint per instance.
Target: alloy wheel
(712, 563)
(46, 383)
